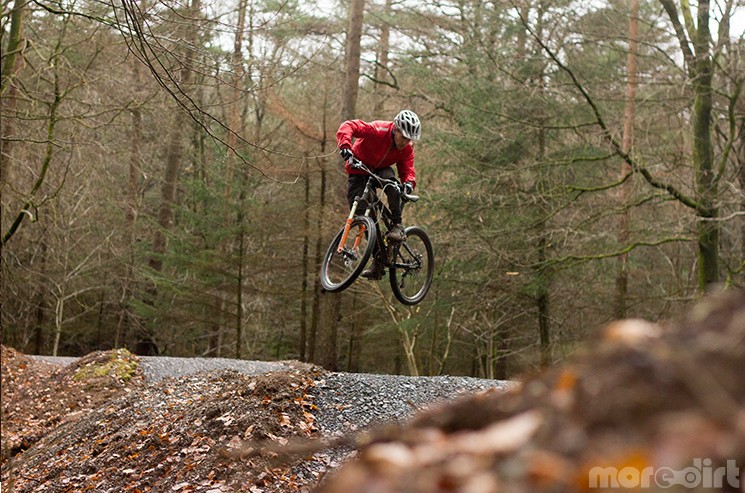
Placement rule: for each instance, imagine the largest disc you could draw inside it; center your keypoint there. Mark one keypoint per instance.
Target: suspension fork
(348, 227)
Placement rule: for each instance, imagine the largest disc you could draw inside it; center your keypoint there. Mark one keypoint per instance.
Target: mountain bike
(410, 263)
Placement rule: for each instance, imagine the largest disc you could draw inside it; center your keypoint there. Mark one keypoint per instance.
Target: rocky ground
(650, 407)
(113, 422)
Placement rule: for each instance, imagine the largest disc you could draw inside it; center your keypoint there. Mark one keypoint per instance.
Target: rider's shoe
(375, 272)
(396, 233)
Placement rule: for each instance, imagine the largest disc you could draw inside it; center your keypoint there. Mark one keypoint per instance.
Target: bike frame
(382, 212)
(376, 205)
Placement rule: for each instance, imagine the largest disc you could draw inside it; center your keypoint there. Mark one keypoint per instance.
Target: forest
(170, 177)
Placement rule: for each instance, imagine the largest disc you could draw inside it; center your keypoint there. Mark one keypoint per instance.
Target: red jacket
(374, 147)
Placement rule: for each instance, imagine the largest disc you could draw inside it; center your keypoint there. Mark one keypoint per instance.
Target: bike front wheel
(345, 261)
(413, 267)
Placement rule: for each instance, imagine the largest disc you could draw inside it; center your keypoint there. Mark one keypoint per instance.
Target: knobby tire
(416, 250)
(339, 271)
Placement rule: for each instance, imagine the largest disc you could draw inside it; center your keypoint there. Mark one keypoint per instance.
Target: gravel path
(158, 367)
(351, 401)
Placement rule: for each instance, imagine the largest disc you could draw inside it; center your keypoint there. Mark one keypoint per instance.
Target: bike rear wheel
(413, 267)
(342, 266)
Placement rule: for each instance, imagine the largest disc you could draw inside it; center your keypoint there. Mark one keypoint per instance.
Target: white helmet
(408, 123)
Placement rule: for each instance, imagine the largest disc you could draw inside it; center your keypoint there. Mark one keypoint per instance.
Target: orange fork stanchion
(358, 240)
(343, 240)
(347, 227)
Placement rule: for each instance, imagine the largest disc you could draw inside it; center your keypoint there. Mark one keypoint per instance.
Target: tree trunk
(40, 301)
(241, 240)
(698, 59)
(408, 344)
(146, 343)
(323, 337)
(703, 154)
(622, 276)
(356, 332)
(168, 193)
(740, 160)
(543, 274)
(500, 367)
(316, 309)
(59, 311)
(214, 339)
(542, 304)
(305, 260)
(352, 75)
(235, 118)
(131, 212)
(234, 104)
(310, 347)
(327, 354)
(167, 196)
(13, 55)
(522, 34)
(381, 67)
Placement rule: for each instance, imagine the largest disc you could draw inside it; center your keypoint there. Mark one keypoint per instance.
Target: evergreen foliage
(518, 174)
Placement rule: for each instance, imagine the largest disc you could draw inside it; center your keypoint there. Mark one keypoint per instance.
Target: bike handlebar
(357, 164)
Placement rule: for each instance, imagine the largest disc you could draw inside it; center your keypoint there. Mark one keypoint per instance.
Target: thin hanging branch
(52, 122)
(393, 85)
(571, 260)
(138, 43)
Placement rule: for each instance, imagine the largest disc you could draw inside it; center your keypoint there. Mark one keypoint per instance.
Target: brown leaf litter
(639, 406)
(100, 432)
(643, 408)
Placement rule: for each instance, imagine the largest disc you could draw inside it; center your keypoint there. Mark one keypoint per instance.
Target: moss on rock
(118, 364)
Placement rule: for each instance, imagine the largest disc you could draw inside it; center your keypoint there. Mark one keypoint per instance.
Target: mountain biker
(380, 145)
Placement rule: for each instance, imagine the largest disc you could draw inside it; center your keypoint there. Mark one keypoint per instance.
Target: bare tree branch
(638, 168)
